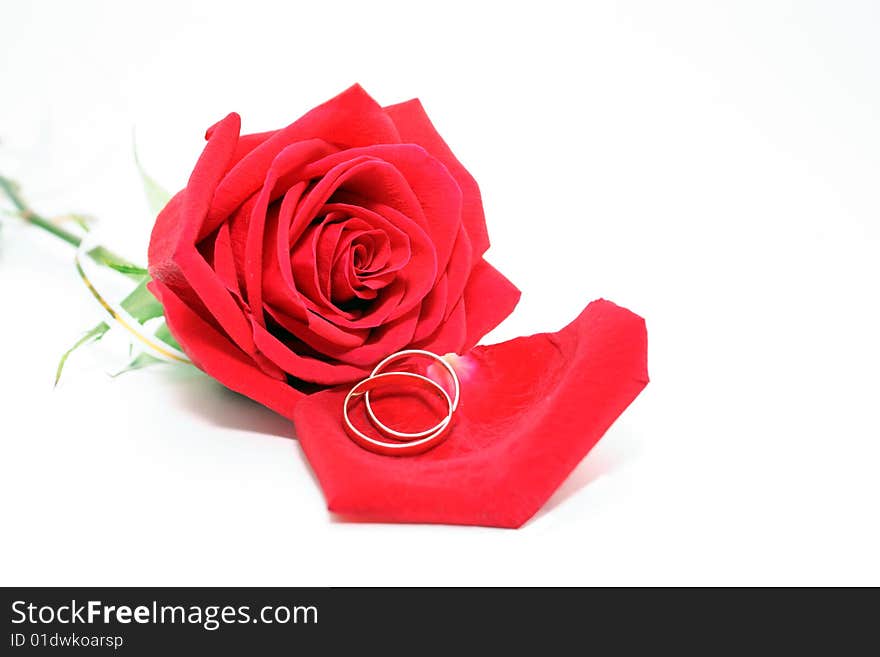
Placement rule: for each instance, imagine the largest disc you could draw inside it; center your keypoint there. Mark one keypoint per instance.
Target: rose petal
(471, 318)
(324, 336)
(383, 340)
(213, 353)
(246, 143)
(350, 119)
(432, 310)
(304, 367)
(224, 261)
(486, 282)
(358, 175)
(279, 287)
(450, 336)
(290, 160)
(531, 409)
(460, 265)
(415, 183)
(414, 126)
(173, 255)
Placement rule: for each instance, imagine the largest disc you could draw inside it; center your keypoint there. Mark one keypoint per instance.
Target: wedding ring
(425, 442)
(403, 435)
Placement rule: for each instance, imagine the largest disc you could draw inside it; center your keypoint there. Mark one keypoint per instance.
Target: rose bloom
(299, 258)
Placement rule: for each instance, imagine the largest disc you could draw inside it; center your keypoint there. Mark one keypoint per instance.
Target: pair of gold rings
(401, 443)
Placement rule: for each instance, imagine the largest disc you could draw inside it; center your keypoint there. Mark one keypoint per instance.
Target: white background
(715, 169)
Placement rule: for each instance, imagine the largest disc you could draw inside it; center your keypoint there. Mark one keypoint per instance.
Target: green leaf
(165, 336)
(93, 335)
(141, 304)
(142, 360)
(130, 270)
(157, 196)
(84, 221)
(106, 258)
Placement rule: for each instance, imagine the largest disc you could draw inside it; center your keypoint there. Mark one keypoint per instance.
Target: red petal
(531, 409)
(304, 367)
(350, 119)
(471, 318)
(291, 158)
(419, 186)
(173, 255)
(486, 282)
(414, 126)
(219, 358)
(450, 336)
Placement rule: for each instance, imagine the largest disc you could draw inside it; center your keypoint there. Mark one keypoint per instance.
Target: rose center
(351, 257)
(358, 271)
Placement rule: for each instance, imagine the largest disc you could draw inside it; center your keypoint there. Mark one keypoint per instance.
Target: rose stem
(99, 254)
(32, 217)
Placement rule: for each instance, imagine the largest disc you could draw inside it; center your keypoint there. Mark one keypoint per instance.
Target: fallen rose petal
(531, 409)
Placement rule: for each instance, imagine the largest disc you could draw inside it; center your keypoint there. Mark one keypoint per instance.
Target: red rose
(305, 255)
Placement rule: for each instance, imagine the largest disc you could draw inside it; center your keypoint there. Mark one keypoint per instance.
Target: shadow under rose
(201, 395)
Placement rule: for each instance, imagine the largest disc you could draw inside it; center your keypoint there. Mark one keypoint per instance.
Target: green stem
(32, 217)
(99, 254)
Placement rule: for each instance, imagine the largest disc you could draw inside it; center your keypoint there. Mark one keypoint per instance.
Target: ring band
(403, 435)
(435, 437)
